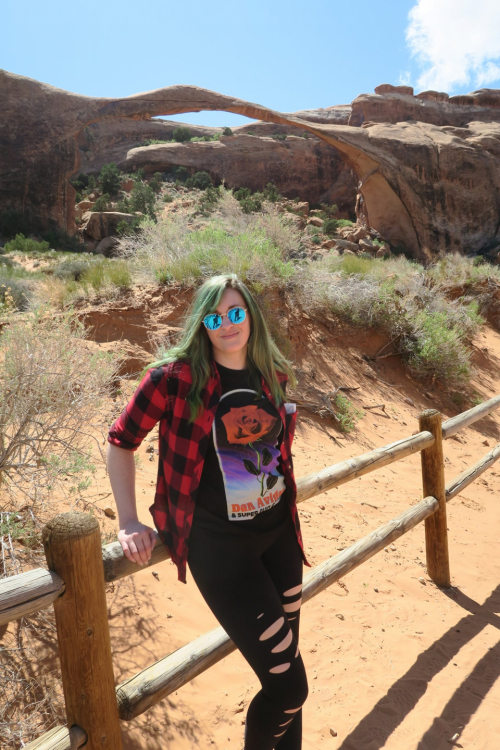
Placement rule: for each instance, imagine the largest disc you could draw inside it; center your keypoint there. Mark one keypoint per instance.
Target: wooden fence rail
(74, 584)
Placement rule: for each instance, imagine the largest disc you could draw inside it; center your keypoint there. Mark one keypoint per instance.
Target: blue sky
(285, 55)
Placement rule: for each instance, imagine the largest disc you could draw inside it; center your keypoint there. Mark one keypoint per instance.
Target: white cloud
(456, 42)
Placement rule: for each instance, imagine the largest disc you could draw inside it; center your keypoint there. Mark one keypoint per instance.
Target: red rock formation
(429, 187)
(300, 167)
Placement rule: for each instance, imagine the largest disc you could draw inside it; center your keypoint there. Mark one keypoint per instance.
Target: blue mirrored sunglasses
(214, 321)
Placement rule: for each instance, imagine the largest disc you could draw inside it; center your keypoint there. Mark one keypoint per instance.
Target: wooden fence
(78, 567)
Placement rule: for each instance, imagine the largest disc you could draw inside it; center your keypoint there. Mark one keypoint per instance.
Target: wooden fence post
(436, 530)
(72, 543)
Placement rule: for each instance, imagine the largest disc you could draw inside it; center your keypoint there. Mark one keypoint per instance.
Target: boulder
(315, 221)
(383, 251)
(328, 244)
(302, 208)
(343, 245)
(85, 205)
(346, 251)
(357, 234)
(366, 246)
(101, 225)
(108, 247)
(388, 88)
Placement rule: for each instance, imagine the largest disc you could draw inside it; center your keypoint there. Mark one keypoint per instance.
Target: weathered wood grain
(436, 527)
(453, 425)
(468, 476)
(28, 593)
(59, 738)
(72, 543)
(154, 683)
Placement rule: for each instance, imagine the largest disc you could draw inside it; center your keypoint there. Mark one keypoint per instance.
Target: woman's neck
(232, 360)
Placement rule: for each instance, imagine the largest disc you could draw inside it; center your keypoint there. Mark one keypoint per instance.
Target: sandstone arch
(416, 189)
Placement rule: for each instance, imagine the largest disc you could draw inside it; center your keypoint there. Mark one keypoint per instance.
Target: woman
(225, 495)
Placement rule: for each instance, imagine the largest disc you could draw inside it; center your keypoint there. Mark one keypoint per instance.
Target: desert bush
(105, 273)
(128, 228)
(24, 244)
(103, 203)
(71, 269)
(199, 180)
(143, 199)
(151, 142)
(181, 135)
(227, 131)
(50, 387)
(110, 179)
(346, 413)
(279, 136)
(205, 138)
(330, 226)
(155, 182)
(18, 290)
(167, 198)
(138, 175)
(168, 252)
(430, 332)
(271, 193)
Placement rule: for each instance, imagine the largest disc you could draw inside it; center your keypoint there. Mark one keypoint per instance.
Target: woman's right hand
(137, 541)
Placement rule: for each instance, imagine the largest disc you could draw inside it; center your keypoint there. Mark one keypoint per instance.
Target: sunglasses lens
(236, 315)
(213, 321)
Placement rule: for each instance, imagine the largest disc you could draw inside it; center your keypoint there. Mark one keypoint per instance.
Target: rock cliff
(431, 187)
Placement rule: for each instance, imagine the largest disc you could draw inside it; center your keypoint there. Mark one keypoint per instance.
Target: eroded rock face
(429, 185)
(305, 168)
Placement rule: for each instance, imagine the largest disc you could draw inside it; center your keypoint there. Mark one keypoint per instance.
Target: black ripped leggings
(252, 582)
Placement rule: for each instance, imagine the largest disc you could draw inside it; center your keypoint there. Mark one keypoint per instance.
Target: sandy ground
(393, 661)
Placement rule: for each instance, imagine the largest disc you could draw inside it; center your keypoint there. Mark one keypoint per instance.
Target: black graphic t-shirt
(242, 478)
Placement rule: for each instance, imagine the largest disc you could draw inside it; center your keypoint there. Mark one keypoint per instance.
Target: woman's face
(230, 337)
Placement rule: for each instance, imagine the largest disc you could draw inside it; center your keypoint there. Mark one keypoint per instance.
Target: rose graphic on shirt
(247, 424)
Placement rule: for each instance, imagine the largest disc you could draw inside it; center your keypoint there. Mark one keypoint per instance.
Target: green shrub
(347, 414)
(151, 142)
(250, 205)
(250, 132)
(71, 269)
(26, 245)
(102, 204)
(110, 179)
(168, 198)
(242, 194)
(181, 174)
(155, 182)
(205, 138)
(201, 180)
(271, 193)
(143, 198)
(330, 226)
(138, 175)
(128, 229)
(329, 211)
(181, 135)
(227, 131)
(105, 272)
(279, 136)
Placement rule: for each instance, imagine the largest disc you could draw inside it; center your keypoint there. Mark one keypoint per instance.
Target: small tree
(181, 135)
(143, 198)
(155, 182)
(110, 179)
(227, 131)
(102, 203)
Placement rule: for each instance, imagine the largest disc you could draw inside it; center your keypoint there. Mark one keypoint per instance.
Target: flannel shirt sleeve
(146, 407)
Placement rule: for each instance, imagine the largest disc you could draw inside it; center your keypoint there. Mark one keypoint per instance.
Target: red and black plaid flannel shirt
(161, 397)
